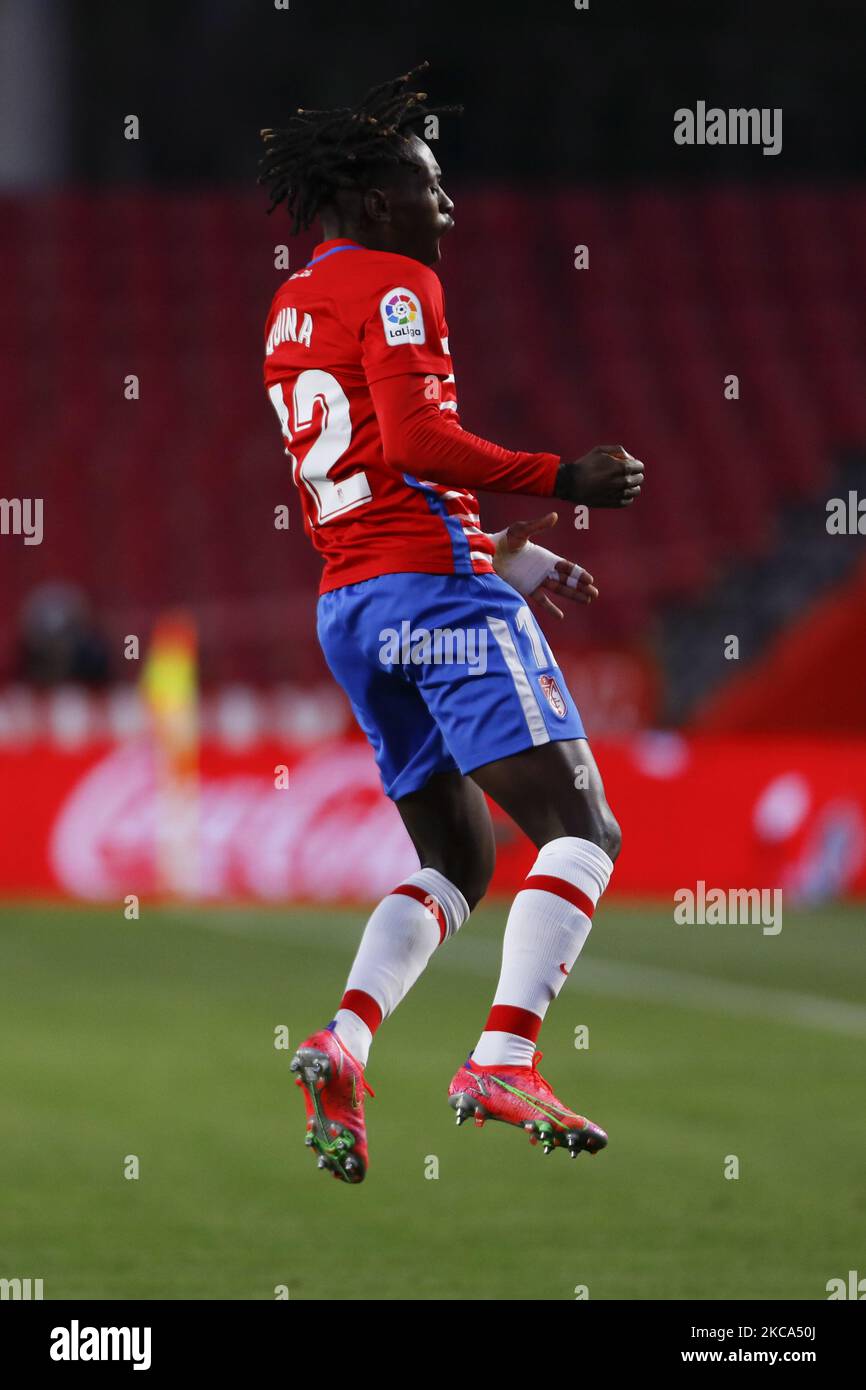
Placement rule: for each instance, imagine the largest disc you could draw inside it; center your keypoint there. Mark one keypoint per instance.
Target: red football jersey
(352, 318)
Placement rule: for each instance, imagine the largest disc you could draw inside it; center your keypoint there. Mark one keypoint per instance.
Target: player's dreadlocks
(321, 151)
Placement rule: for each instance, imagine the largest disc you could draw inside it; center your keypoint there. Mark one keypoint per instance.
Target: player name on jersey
(284, 329)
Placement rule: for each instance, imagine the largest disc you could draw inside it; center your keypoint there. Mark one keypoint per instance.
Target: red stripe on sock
(364, 1005)
(562, 888)
(507, 1018)
(411, 890)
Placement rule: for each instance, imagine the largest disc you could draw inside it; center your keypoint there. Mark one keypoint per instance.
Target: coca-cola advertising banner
(270, 823)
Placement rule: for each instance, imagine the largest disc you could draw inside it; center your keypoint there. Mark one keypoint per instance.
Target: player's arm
(420, 438)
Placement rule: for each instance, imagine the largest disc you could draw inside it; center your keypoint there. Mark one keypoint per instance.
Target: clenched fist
(607, 476)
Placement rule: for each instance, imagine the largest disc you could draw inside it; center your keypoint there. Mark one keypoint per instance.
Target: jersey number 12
(329, 499)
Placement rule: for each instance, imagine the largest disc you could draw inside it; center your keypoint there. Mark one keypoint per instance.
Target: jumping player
(423, 616)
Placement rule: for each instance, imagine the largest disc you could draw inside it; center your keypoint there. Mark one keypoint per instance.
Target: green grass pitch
(155, 1038)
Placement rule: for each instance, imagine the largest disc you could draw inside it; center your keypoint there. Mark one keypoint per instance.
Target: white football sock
(549, 921)
(399, 939)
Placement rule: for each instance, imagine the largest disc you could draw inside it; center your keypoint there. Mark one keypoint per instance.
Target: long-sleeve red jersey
(358, 369)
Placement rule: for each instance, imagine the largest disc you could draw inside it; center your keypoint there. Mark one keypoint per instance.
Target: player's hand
(607, 476)
(563, 577)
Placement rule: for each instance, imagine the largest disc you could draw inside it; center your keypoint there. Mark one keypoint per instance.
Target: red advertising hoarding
(83, 824)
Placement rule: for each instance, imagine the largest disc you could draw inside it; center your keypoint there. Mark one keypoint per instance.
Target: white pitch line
(616, 979)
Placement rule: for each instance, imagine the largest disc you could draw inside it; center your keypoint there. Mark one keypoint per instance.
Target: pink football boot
(521, 1096)
(333, 1085)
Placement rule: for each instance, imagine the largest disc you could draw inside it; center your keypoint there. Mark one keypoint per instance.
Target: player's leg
(551, 791)
(449, 824)
(555, 795)
(513, 726)
(447, 818)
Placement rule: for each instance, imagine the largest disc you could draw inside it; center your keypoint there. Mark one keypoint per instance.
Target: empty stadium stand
(169, 498)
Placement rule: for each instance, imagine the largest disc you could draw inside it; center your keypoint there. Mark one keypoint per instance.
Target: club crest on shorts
(552, 693)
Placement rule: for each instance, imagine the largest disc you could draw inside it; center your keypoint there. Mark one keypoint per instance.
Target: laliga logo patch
(401, 309)
(402, 318)
(552, 693)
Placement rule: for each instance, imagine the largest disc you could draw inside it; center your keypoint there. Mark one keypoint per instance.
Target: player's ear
(377, 205)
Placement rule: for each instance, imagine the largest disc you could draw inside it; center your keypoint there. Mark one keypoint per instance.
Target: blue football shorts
(443, 672)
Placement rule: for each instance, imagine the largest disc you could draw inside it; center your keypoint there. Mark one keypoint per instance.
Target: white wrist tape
(527, 568)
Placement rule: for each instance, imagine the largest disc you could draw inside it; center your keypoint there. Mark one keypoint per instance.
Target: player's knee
(470, 872)
(603, 830)
(610, 835)
(473, 880)
(593, 820)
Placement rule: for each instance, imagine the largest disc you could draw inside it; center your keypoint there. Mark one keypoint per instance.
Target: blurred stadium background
(149, 767)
